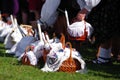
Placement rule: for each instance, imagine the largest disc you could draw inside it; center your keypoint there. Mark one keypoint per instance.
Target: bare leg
(24, 18)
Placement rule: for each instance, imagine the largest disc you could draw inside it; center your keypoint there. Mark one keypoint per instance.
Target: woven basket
(80, 38)
(45, 52)
(62, 40)
(70, 65)
(25, 59)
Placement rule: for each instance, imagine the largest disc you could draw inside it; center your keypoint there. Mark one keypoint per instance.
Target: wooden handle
(70, 45)
(62, 40)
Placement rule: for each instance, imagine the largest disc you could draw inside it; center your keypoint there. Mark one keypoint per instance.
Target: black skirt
(104, 19)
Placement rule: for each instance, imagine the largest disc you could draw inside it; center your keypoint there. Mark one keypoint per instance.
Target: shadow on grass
(2, 51)
(107, 71)
(6, 55)
(88, 52)
(39, 65)
(110, 70)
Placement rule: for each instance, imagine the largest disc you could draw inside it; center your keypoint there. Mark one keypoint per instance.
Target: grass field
(10, 69)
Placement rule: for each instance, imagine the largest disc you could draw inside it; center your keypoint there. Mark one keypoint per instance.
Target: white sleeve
(91, 3)
(49, 9)
(89, 29)
(88, 4)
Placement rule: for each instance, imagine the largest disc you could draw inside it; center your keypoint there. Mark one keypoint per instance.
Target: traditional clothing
(49, 10)
(104, 18)
(56, 57)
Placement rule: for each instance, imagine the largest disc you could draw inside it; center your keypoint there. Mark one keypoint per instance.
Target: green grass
(10, 69)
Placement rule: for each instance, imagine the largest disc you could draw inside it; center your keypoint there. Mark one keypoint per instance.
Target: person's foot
(96, 61)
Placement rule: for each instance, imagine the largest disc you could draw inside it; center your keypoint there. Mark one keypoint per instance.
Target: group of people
(103, 15)
(25, 11)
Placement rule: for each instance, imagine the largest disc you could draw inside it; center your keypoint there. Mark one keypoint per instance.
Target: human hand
(81, 14)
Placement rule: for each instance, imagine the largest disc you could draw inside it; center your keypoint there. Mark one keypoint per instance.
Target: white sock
(104, 55)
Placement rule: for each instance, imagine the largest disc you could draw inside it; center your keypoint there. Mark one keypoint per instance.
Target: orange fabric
(82, 38)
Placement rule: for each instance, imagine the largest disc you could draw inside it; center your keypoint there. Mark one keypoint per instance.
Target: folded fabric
(77, 29)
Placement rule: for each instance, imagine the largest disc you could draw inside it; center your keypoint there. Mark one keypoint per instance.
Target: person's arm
(49, 9)
(91, 3)
(86, 6)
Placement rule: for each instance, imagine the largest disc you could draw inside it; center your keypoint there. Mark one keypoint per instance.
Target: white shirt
(49, 9)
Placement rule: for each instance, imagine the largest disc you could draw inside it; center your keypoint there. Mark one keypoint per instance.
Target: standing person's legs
(116, 47)
(60, 25)
(104, 53)
(24, 18)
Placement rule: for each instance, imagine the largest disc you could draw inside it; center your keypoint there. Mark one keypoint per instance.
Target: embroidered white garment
(56, 57)
(38, 48)
(2, 25)
(17, 35)
(76, 29)
(32, 58)
(6, 30)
